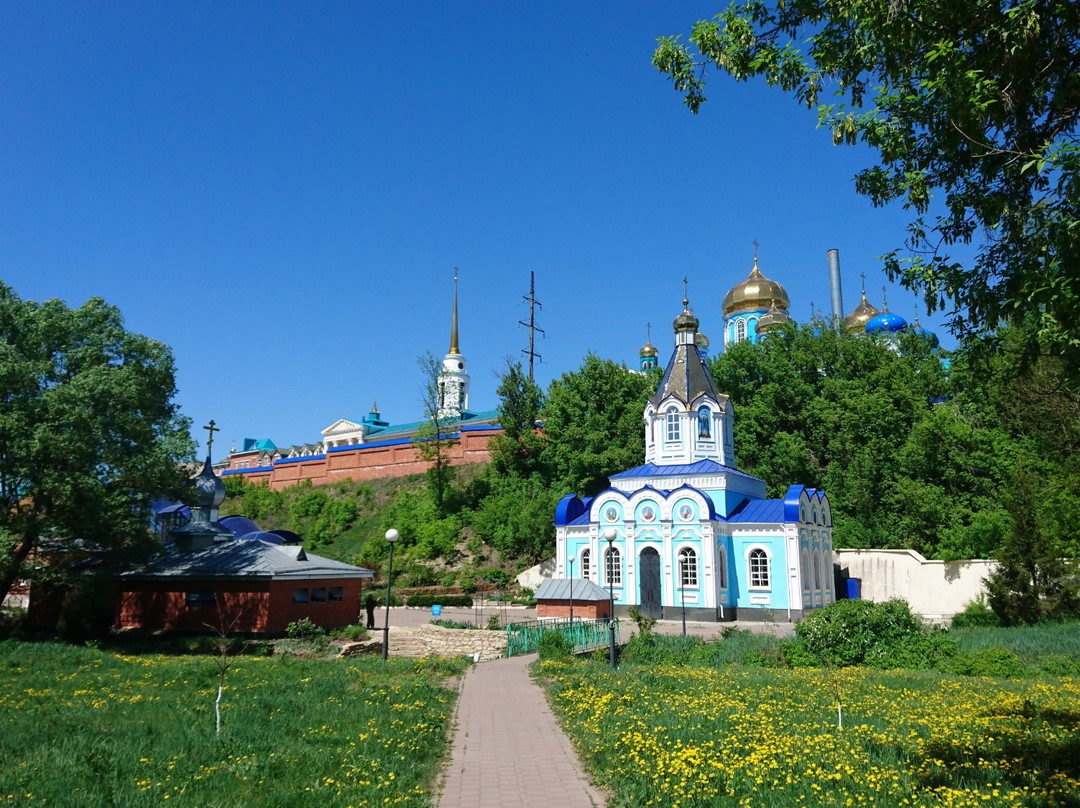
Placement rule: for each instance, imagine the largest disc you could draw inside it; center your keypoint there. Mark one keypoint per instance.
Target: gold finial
(453, 322)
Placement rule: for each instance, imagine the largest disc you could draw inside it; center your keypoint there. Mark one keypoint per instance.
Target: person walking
(369, 606)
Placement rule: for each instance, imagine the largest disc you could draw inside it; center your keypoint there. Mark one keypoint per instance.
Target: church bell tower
(453, 379)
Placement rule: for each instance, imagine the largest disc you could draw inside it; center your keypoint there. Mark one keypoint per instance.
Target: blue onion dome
(773, 319)
(756, 292)
(916, 328)
(885, 322)
(856, 321)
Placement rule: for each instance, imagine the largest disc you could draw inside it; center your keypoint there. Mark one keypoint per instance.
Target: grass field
(80, 726)
(681, 736)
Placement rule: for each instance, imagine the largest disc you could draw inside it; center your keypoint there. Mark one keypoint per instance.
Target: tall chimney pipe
(834, 289)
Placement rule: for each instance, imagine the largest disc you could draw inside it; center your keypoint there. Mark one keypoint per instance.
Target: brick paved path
(508, 749)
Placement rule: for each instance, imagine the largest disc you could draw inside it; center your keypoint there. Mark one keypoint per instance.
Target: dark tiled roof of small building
(582, 589)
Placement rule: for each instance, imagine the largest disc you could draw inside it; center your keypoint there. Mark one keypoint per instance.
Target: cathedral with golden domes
(759, 304)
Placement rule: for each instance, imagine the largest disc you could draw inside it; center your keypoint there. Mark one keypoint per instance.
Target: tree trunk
(13, 566)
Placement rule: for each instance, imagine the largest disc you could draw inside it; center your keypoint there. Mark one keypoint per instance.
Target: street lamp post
(571, 561)
(610, 535)
(682, 595)
(391, 537)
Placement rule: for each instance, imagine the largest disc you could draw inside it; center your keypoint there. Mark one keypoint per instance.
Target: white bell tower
(453, 379)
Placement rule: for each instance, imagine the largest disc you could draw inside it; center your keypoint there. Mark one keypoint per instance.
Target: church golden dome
(756, 292)
(648, 349)
(773, 319)
(855, 322)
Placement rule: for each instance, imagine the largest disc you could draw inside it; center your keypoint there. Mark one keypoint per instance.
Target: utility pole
(531, 325)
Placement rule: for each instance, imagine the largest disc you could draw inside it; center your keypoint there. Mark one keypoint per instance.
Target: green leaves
(89, 431)
(973, 110)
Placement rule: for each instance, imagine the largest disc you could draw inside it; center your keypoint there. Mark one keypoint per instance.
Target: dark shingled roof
(687, 377)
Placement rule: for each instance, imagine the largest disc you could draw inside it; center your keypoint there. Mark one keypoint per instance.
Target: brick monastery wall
(371, 462)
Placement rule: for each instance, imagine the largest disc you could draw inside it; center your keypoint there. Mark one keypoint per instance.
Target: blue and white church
(688, 529)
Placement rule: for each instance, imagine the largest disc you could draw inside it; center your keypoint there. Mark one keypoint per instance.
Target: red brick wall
(595, 610)
(374, 462)
(263, 606)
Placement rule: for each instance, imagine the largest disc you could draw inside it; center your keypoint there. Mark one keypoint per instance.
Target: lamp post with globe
(610, 534)
(570, 561)
(391, 538)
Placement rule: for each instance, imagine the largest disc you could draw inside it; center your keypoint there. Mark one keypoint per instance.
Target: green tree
(89, 431)
(519, 449)
(434, 440)
(976, 102)
(1032, 581)
(593, 420)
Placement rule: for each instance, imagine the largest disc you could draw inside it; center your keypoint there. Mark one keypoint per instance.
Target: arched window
(805, 569)
(758, 562)
(674, 427)
(687, 567)
(740, 330)
(586, 558)
(721, 566)
(817, 570)
(613, 566)
(704, 420)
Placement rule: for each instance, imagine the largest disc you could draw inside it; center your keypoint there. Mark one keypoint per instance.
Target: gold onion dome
(701, 341)
(855, 322)
(648, 349)
(772, 319)
(756, 292)
(686, 321)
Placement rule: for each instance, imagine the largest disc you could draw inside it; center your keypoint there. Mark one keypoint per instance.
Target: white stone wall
(935, 589)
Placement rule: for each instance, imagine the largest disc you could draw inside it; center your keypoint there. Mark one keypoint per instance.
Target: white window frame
(688, 568)
(672, 426)
(759, 568)
(740, 330)
(586, 557)
(612, 566)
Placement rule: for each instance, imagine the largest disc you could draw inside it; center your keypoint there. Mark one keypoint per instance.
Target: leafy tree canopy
(593, 420)
(89, 431)
(975, 102)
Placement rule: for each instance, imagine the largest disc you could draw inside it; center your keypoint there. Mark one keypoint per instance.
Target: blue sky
(281, 191)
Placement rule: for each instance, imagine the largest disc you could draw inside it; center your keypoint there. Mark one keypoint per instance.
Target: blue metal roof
(759, 510)
(681, 469)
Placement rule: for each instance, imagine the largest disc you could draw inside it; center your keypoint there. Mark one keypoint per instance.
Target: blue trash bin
(854, 588)
(436, 610)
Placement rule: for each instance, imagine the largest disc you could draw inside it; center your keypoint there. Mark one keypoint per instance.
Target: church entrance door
(649, 576)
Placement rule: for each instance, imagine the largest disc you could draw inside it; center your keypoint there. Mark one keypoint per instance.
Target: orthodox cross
(884, 300)
(685, 299)
(648, 332)
(755, 250)
(863, 276)
(211, 428)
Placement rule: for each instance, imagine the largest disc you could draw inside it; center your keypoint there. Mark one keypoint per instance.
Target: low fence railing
(584, 635)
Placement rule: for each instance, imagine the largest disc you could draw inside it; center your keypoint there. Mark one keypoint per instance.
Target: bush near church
(877, 635)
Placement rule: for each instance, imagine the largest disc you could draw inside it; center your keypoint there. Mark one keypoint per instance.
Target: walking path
(508, 749)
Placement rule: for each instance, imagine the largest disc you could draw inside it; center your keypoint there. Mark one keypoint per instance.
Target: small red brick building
(253, 586)
(553, 599)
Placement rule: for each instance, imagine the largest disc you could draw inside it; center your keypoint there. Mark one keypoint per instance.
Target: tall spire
(453, 321)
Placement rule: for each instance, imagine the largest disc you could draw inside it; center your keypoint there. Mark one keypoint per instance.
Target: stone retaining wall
(425, 641)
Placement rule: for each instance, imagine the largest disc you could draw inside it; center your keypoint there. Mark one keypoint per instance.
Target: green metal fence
(585, 635)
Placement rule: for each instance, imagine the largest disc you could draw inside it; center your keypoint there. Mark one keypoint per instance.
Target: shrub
(354, 632)
(304, 629)
(452, 624)
(555, 645)
(880, 635)
(425, 601)
(468, 585)
(644, 624)
(977, 614)
(493, 623)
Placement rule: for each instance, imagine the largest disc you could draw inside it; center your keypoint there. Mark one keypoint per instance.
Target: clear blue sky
(280, 191)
